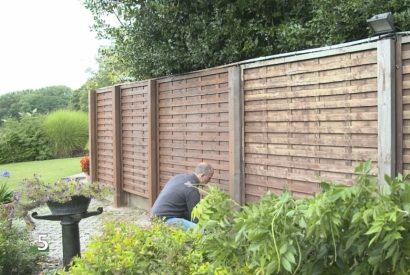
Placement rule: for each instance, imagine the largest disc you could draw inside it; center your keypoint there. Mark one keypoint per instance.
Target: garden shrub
(350, 230)
(344, 230)
(127, 248)
(23, 140)
(15, 257)
(67, 132)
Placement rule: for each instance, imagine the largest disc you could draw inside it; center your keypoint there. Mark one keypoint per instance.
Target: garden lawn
(50, 170)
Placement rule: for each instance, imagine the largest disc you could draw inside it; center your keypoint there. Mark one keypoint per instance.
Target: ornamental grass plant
(67, 131)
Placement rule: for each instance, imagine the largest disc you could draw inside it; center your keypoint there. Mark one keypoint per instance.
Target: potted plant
(85, 167)
(63, 197)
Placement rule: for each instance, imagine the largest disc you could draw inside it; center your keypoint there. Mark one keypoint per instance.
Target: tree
(109, 72)
(44, 101)
(164, 37)
(9, 104)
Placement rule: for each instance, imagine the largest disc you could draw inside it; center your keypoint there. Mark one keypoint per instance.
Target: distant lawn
(50, 170)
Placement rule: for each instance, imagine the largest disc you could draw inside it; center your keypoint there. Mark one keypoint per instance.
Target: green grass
(50, 170)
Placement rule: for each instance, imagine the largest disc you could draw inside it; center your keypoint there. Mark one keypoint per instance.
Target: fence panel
(105, 146)
(193, 120)
(405, 85)
(309, 119)
(134, 117)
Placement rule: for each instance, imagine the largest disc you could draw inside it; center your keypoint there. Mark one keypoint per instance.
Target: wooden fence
(286, 121)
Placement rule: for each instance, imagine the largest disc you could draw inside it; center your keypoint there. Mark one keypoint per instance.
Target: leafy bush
(126, 248)
(67, 131)
(6, 195)
(16, 259)
(351, 230)
(23, 140)
(344, 230)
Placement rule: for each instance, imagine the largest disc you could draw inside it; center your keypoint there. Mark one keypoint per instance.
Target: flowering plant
(35, 189)
(85, 165)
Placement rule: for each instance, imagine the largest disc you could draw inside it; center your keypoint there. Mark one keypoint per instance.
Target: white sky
(45, 43)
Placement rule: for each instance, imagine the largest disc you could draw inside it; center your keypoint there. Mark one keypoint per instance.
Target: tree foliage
(109, 72)
(44, 100)
(164, 37)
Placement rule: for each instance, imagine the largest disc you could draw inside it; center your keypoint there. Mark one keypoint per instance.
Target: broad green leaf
(283, 248)
(366, 215)
(286, 264)
(373, 260)
(391, 251)
(356, 217)
(374, 229)
(302, 223)
(290, 257)
(272, 266)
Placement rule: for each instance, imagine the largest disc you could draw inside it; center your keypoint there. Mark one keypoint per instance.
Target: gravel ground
(88, 227)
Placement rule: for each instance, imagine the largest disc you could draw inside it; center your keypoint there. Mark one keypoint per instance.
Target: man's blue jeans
(179, 221)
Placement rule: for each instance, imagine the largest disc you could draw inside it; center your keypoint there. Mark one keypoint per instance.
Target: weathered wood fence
(288, 120)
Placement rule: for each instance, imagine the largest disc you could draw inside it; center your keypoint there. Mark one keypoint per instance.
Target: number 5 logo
(41, 241)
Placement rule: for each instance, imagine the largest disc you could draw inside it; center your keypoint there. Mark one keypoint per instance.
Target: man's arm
(193, 198)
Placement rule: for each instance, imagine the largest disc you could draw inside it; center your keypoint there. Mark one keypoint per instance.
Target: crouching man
(180, 195)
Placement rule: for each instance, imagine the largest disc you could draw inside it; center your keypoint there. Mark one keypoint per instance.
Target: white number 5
(42, 241)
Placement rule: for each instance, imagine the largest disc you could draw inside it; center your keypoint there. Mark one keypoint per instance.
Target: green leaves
(343, 230)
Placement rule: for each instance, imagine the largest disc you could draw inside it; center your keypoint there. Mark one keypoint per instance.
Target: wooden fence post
(153, 185)
(117, 146)
(386, 89)
(236, 188)
(399, 107)
(92, 131)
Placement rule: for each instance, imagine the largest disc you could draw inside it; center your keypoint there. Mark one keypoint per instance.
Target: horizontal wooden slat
(194, 129)
(314, 105)
(313, 154)
(300, 165)
(135, 155)
(169, 136)
(346, 63)
(406, 84)
(135, 170)
(194, 147)
(135, 192)
(163, 152)
(191, 120)
(300, 80)
(405, 54)
(129, 120)
(313, 130)
(314, 117)
(192, 102)
(174, 171)
(406, 69)
(203, 110)
(337, 142)
(184, 93)
(184, 85)
(128, 93)
(314, 92)
(215, 165)
(129, 133)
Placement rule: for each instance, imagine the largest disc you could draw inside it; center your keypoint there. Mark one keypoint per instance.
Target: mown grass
(50, 170)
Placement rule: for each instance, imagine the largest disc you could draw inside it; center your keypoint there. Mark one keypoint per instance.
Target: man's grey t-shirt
(178, 197)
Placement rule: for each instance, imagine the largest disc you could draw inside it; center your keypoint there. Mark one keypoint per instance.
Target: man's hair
(203, 169)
